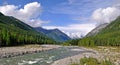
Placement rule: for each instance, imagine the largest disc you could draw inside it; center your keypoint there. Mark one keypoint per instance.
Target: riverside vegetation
(106, 56)
(92, 61)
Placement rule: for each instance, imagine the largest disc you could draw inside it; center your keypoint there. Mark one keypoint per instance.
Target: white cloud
(101, 15)
(29, 14)
(74, 30)
(31, 11)
(105, 15)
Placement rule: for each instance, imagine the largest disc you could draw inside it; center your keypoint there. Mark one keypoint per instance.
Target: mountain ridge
(97, 30)
(55, 34)
(107, 36)
(16, 32)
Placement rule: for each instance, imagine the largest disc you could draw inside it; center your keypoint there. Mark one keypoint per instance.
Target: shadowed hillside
(15, 32)
(55, 34)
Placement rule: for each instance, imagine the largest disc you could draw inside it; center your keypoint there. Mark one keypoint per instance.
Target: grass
(107, 48)
(107, 52)
(92, 61)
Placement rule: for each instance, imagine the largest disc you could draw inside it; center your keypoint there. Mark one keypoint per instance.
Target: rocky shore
(6, 52)
(74, 59)
(101, 53)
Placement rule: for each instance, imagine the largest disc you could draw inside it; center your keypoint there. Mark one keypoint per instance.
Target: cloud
(81, 8)
(74, 30)
(29, 13)
(87, 13)
(82, 11)
(105, 15)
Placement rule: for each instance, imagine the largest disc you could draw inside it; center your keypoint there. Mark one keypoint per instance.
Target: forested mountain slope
(15, 32)
(103, 35)
(55, 34)
(108, 36)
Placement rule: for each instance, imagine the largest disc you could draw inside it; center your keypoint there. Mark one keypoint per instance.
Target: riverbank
(73, 59)
(100, 53)
(6, 52)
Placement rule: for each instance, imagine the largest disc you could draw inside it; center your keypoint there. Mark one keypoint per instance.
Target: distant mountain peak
(56, 34)
(56, 29)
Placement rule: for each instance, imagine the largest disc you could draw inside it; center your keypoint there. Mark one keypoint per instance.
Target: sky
(74, 17)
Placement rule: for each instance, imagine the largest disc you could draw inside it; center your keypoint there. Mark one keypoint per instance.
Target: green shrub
(92, 61)
(88, 61)
(66, 44)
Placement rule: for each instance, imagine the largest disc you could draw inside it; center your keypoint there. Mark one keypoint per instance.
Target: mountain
(55, 34)
(108, 35)
(9, 20)
(15, 32)
(97, 30)
(74, 35)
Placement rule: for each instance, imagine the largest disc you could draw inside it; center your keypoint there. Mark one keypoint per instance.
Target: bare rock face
(97, 30)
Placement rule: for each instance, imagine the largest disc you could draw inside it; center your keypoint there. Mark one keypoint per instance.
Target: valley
(59, 32)
(36, 46)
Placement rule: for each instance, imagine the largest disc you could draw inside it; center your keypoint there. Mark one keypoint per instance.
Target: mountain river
(44, 57)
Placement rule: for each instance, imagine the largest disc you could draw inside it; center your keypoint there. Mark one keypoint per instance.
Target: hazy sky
(74, 17)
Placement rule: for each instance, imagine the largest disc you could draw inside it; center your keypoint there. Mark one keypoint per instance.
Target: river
(44, 57)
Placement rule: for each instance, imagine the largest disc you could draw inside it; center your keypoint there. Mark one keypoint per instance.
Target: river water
(44, 57)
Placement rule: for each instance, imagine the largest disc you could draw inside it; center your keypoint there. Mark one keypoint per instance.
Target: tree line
(14, 36)
(94, 41)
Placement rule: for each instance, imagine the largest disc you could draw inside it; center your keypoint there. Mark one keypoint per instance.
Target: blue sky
(74, 17)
